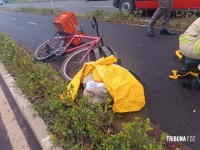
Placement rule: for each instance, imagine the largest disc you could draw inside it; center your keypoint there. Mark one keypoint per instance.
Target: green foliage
(26, 1)
(45, 11)
(98, 13)
(182, 19)
(118, 17)
(137, 13)
(113, 16)
(81, 124)
(73, 125)
(16, 1)
(183, 14)
(133, 136)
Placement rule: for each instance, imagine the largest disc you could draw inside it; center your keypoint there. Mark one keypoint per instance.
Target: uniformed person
(164, 10)
(189, 44)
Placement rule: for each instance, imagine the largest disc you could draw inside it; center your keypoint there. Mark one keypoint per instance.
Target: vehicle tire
(44, 51)
(73, 63)
(127, 6)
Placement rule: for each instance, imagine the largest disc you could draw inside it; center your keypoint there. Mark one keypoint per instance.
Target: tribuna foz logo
(180, 138)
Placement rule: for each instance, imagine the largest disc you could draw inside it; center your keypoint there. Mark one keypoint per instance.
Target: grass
(179, 20)
(45, 11)
(27, 1)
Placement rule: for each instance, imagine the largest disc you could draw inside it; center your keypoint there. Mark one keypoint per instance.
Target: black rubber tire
(46, 49)
(127, 6)
(73, 63)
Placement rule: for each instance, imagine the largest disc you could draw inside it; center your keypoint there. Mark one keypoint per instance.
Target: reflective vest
(186, 39)
(189, 41)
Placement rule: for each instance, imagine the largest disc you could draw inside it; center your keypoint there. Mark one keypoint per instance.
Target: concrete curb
(35, 122)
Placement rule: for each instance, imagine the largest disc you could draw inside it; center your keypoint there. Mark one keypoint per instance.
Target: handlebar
(95, 25)
(95, 21)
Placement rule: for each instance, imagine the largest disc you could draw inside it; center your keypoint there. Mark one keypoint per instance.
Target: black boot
(189, 65)
(167, 32)
(196, 82)
(150, 30)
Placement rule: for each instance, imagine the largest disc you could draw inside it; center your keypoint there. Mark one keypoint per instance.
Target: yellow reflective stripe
(184, 39)
(196, 49)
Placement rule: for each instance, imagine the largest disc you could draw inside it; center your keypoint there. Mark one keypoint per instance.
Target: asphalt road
(152, 59)
(77, 6)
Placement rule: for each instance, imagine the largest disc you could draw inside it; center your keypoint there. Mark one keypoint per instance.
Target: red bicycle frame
(94, 40)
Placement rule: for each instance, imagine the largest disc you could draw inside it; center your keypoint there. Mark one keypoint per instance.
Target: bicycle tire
(73, 63)
(48, 53)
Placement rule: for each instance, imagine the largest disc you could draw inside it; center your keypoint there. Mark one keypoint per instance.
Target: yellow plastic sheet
(126, 90)
(176, 74)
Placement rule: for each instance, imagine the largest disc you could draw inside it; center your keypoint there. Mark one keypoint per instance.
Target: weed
(72, 125)
(45, 11)
(180, 19)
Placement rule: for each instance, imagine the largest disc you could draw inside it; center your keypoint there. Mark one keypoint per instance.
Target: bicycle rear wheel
(47, 49)
(74, 63)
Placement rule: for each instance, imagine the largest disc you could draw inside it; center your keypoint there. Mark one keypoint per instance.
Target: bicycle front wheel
(74, 63)
(47, 49)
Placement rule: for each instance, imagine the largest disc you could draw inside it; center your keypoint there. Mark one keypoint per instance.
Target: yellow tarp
(126, 90)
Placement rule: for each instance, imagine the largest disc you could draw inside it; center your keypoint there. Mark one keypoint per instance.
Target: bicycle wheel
(47, 49)
(74, 63)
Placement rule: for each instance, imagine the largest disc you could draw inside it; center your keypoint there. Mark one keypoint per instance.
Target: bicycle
(76, 55)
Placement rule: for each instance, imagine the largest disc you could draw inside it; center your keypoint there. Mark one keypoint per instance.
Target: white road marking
(13, 18)
(2, 16)
(33, 23)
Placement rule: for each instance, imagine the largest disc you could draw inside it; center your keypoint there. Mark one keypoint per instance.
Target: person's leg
(195, 83)
(167, 5)
(158, 13)
(163, 8)
(189, 65)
